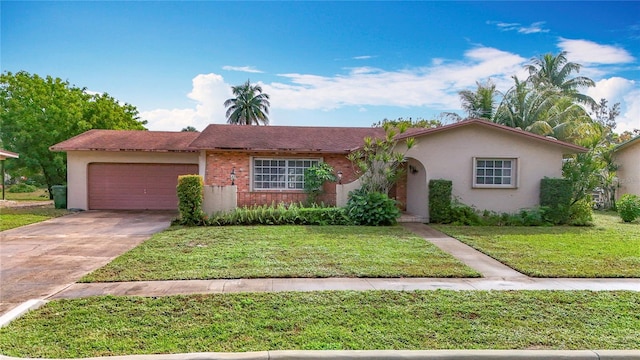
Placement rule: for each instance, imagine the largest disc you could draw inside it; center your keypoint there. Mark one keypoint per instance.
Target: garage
(128, 186)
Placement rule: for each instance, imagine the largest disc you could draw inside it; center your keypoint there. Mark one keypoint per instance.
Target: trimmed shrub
(555, 194)
(22, 188)
(323, 216)
(314, 179)
(281, 215)
(371, 208)
(190, 197)
(629, 207)
(581, 213)
(440, 201)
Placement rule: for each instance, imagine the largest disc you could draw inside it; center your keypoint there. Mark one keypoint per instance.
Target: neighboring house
(4, 154)
(492, 166)
(627, 156)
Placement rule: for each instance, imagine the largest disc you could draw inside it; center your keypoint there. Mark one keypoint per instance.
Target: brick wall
(220, 164)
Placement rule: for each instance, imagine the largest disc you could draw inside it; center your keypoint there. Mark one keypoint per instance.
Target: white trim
(515, 172)
(252, 160)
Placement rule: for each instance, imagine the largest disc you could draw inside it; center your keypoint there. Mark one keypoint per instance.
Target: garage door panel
(115, 186)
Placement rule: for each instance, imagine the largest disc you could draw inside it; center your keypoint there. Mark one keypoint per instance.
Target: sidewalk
(496, 276)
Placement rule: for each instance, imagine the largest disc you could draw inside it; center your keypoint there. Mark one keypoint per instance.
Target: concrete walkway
(496, 276)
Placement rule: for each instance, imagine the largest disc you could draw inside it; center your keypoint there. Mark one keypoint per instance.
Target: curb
(389, 354)
(20, 310)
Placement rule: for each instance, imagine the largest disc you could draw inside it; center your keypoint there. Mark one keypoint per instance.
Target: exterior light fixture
(233, 176)
(339, 177)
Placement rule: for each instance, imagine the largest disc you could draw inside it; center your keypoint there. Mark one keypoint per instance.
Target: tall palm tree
(555, 72)
(479, 103)
(250, 106)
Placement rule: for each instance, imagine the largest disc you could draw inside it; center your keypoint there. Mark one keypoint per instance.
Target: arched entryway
(417, 190)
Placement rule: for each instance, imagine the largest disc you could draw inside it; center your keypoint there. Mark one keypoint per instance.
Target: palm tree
(479, 103)
(554, 72)
(250, 106)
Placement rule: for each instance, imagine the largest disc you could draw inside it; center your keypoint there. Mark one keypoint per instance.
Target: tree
(379, 162)
(189, 129)
(479, 103)
(554, 72)
(409, 123)
(250, 105)
(40, 112)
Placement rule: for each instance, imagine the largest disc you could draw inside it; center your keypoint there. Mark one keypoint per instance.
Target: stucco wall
(449, 155)
(629, 171)
(78, 163)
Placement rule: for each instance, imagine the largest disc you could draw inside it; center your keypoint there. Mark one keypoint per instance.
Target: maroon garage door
(135, 186)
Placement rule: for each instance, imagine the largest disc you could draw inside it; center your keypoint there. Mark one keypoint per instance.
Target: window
(280, 174)
(494, 173)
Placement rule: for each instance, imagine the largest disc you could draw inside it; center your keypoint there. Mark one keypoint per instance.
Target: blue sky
(322, 63)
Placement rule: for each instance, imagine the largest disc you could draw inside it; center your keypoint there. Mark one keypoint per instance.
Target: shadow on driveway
(41, 259)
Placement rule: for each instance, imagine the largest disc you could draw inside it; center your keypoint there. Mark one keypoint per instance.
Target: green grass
(15, 217)
(109, 326)
(611, 248)
(281, 251)
(39, 195)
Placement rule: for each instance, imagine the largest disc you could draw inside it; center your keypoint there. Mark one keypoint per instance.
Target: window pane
(479, 180)
(506, 181)
(507, 164)
(480, 163)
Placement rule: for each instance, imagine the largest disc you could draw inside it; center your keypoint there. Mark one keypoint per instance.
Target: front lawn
(38, 195)
(281, 251)
(110, 326)
(15, 217)
(611, 248)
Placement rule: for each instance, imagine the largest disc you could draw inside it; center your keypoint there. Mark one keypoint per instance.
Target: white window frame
(286, 176)
(513, 172)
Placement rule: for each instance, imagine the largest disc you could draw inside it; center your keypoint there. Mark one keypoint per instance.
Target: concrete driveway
(39, 260)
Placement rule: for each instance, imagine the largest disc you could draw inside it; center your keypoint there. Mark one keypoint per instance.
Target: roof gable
(128, 140)
(502, 128)
(628, 143)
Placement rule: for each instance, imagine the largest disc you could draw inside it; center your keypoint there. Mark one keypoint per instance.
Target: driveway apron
(41, 259)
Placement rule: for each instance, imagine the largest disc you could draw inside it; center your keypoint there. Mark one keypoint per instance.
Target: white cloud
(623, 91)
(434, 86)
(209, 93)
(589, 52)
(536, 27)
(363, 57)
(249, 69)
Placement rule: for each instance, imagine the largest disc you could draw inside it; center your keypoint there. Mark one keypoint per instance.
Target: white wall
(629, 171)
(78, 164)
(449, 155)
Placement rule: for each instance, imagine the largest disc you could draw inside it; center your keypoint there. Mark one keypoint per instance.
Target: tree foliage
(250, 105)
(314, 179)
(378, 161)
(408, 123)
(37, 113)
(481, 102)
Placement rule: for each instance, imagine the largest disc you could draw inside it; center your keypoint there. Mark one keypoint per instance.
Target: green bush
(581, 213)
(629, 207)
(22, 188)
(440, 201)
(190, 197)
(555, 194)
(314, 179)
(281, 215)
(461, 214)
(371, 208)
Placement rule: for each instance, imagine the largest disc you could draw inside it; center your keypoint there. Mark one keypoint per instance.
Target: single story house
(627, 156)
(492, 166)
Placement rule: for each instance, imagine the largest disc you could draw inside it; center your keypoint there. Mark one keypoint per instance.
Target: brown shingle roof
(284, 138)
(128, 140)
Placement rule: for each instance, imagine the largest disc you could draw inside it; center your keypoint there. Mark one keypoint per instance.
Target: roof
(489, 124)
(627, 143)
(129, 140)
(5, 154)
(318, 139)
(284, 138)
